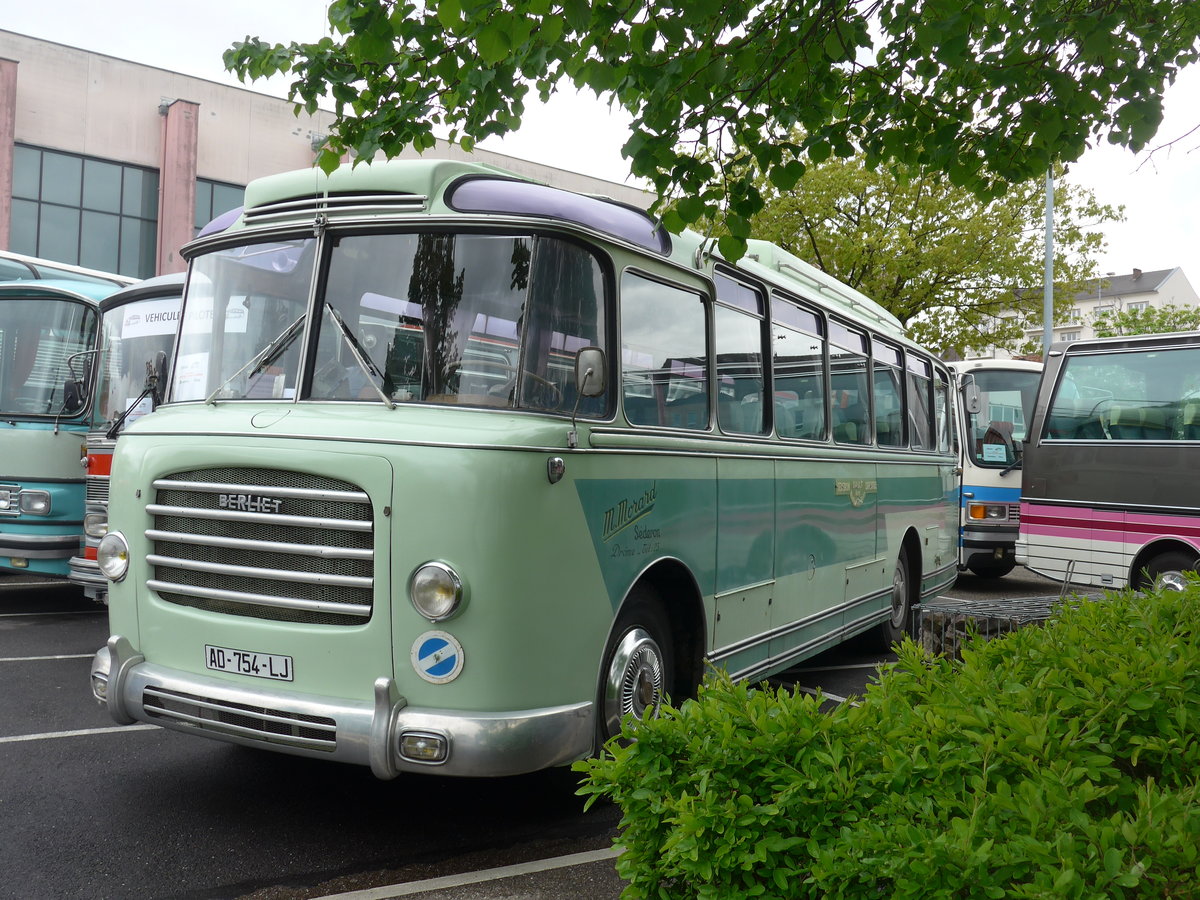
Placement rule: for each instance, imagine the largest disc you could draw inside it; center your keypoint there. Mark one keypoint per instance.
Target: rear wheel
(1166, 571)
(896, 626)
(637, 664)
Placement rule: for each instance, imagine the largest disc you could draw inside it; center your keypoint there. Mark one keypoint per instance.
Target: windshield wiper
(265, 357)
(374, 376)
(1015, 464)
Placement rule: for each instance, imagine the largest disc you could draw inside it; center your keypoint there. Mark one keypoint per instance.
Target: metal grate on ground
(943, 627)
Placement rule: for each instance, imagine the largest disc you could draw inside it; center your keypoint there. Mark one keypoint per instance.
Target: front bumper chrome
(478, 744)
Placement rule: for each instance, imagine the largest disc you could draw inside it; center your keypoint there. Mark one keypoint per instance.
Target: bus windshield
(1006, 404)
(37, 338)
(460, 319)
(134, 334)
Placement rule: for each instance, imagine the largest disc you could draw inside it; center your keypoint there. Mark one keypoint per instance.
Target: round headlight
(436, 591)
(112, 556)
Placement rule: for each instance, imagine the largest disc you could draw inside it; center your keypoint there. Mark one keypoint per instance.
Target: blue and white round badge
(437, 656)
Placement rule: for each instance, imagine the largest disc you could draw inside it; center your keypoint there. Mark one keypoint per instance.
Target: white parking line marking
(4, 659)
(18, 738)
(452, 881)
(825, 695)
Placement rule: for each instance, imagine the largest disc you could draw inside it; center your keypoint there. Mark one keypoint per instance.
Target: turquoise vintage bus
(455, 470)
(47, 344)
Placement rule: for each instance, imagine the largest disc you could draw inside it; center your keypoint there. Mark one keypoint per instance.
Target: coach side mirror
(970, 392)
(73, 397)
(589, 372)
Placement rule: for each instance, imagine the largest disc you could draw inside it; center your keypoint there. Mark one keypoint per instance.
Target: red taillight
(99, 464)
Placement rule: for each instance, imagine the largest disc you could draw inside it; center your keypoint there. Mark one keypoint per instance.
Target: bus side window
(664, 354)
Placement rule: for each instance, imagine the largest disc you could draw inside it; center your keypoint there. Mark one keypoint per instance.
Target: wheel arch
(1155, 548)
(682, 603)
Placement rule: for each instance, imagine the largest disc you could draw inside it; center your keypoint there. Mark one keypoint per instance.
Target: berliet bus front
(456, 470)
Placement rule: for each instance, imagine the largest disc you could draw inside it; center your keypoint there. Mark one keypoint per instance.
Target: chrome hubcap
(635, 680)
(1170, 581)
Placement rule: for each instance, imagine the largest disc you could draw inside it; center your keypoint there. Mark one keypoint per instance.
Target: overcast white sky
(1161, 196)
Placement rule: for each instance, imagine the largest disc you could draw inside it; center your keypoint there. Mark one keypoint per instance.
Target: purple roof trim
(221, 222)
(483, 194)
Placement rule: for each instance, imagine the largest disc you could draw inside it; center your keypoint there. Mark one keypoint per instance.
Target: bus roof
(19, 267)
(63, 289)
(159, 286)
(1014, 365)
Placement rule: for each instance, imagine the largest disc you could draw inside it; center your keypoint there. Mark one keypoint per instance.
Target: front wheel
(637, 665)
(896, 626)
(1167, 571)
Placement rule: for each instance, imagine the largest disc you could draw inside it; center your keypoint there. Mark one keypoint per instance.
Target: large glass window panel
(798, 355)
(101, 186)
(99, 241)
(27, 172)
(226, 197)
(23, 233)
(37, 338)
(851, 387)
(62, 177)
(242, 323)
(58, 233)
(664, 354)
(920, 408)
(459, 319)
(740, 377)
(139, 193)
(1149, 395)
(888, 395)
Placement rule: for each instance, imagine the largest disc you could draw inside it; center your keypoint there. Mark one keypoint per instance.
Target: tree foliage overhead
(988, 92)
(959, 271)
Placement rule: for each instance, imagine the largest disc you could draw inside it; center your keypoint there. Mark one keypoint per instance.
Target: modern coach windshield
(434, 317)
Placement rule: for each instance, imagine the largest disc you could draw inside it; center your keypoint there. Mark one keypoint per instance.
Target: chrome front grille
(224, 717)
(266, 543)
(96, 489)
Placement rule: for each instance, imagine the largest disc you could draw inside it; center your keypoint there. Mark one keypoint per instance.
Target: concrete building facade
(114, 165)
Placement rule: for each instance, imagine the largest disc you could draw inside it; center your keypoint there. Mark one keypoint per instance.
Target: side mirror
(590, 370)
(156, 378)
(970, 392)
(73, 397)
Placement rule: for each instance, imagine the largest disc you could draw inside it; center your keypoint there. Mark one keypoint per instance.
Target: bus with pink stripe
(1109, 491)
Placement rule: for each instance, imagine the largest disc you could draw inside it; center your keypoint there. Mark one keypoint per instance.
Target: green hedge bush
(1058, 761)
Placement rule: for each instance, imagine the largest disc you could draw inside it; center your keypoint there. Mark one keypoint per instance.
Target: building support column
(8, 138)
(176, 182)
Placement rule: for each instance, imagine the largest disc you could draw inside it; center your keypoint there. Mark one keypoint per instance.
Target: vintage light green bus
(455, 470)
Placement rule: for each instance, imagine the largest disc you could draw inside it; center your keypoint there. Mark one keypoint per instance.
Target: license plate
(245, 662)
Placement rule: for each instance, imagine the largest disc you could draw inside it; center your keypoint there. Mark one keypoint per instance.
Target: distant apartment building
(114, 165)
(1112, 293)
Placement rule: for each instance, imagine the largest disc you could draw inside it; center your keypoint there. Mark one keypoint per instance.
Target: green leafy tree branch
(988, 92)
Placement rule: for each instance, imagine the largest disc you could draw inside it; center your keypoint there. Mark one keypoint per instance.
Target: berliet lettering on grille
(250, 503)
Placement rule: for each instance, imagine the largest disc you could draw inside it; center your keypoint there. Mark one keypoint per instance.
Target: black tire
(638, 664)
(1166, 571)
(899, 622)
(992, 569)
